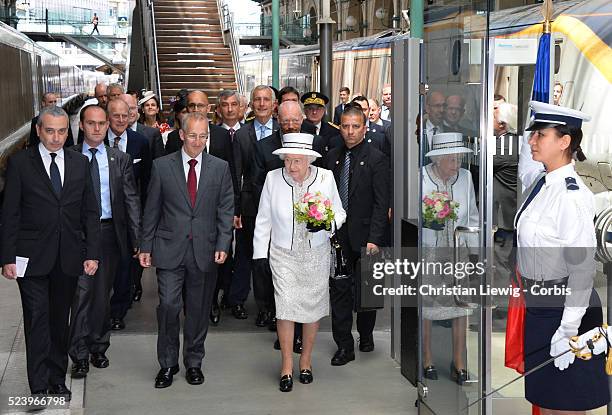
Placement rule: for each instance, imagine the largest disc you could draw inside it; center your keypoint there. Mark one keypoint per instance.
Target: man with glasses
(219, 144)
(186, 233)
(121, 137)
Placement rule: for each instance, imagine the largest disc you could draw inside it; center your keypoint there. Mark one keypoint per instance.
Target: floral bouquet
(437, 209)
(315, 211)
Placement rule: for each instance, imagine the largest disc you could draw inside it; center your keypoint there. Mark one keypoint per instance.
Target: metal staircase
(191, 52)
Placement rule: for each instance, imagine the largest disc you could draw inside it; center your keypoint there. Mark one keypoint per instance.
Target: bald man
(49, 99)
(100, 95)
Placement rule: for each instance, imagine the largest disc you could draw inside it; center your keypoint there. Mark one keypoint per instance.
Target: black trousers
(243, 267)
(121, 301)
(198, 288)
(46, 304)
(342, 300)
(224, 277)
(89, 325)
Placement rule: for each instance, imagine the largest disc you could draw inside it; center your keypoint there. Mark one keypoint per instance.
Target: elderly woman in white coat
(444, 174)
(299, 257)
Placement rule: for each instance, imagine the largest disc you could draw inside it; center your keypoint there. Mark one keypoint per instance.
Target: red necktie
(192, 181)
(231, 134)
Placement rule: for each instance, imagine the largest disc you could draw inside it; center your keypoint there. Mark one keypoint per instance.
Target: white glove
(600, 345)
(559, 344)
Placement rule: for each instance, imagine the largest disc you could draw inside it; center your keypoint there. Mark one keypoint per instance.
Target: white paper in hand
(22, 265)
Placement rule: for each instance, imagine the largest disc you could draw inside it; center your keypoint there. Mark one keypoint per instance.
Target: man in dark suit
(345, 95)
(263, 125)
(137, 146)
(362, 177)
(49, 99)
(113, 182)
(50, 216)
(187, 229)
(219, 145)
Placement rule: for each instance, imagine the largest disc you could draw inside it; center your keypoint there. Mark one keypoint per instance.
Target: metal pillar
(275, 43)
(416, 18)
(326, 25)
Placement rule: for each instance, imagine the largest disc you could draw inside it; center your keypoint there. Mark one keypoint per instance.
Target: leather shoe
(240, 312)
(80, 368)
(194, 376)
(297, 345)
(137, 294)
(272, 324)
(430, 372)
(366, 344)
(215, 313)
(286, 383)
(306, 376)
(277, 344)
(99, 360)
(60, 389)
(117, 324)
(164, 376)
(342, 357)
(262, 319)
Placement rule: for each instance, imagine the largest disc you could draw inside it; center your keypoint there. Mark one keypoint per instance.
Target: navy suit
(337, 113)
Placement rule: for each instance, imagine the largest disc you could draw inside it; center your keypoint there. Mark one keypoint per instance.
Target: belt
(528, 283)
(109, 220)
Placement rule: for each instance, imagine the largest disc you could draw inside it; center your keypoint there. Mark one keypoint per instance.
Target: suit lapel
(357, 170)
(40, 167)
(68, 171)
(203, 176)
(176, 166)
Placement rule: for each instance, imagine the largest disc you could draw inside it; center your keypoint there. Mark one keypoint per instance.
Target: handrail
(226, 20)
(155, 60)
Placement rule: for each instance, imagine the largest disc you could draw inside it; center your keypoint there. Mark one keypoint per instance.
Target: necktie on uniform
(95, 177)
(116, 142)
(192, 181)
(344, 180)
(54, 175)
(536, 189)
(231, 134)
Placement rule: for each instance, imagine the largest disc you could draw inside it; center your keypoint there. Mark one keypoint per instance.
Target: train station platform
(241, 371)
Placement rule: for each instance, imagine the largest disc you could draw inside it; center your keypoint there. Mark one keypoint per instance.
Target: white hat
(545, 115)
(297, 143)
(147, 96)
(447, 143)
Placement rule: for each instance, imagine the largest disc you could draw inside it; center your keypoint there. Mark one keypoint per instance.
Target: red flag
(515, 329)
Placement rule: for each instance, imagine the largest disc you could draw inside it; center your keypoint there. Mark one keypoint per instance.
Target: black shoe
(459, 375)
(430, 372)
(240, 312)
(194, 376)
(61, 390)
(99, 360)
(277, 344)
(297, 345)
(164, 376)
(137, 294)
(366, 344)
(286, 383)
(272, 324)
(342, 357)
(215, 313)
(306, 376)
(80, 368)
(262, 319)
(117, 324)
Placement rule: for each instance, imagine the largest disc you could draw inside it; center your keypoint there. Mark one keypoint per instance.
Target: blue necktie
(536, 189)
(344, 180)
(54, 174)
(262, 132)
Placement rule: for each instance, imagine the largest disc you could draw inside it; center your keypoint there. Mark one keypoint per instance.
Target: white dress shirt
(318, 128)
(198, 166)
(235, 127)
(46, 159)
(122, 143)
(385, 113)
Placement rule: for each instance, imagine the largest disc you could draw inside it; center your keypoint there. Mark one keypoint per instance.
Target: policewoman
(556, 243)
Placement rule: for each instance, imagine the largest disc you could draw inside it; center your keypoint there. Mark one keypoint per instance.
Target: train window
(456, 57)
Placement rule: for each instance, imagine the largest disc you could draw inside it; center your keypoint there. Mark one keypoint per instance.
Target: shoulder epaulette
(251, 118)
(570, 183)
(333, 125)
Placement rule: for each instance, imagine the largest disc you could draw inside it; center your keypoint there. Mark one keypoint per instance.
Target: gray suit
(182, 241)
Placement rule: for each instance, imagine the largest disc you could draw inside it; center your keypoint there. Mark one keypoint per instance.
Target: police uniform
(329, 132)
(556, 243)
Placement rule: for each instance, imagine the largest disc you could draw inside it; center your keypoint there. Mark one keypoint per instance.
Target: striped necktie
(344, 180)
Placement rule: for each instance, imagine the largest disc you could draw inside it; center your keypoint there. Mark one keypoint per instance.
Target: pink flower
(313, 209)
(429, 202)
(318, 216)
(327, 203)
(444, 212)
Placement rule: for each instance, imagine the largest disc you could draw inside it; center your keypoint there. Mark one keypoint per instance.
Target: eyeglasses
(193, 106)
(291, 121)
(193, 137)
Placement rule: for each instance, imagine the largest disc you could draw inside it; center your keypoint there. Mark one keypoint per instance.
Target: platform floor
(241, 370)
